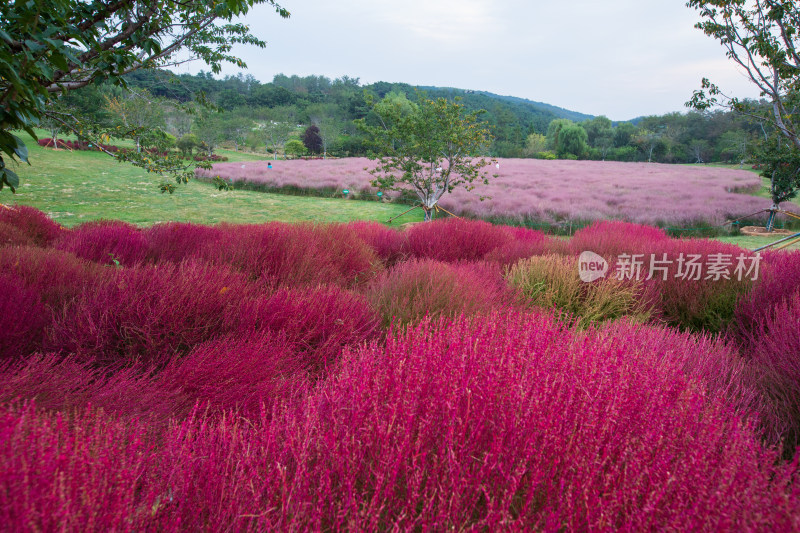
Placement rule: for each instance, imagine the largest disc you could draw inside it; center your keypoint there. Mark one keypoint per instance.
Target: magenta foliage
(767, 328)
(779, 280)
(387, 243)
(24, 318)
(76, 145)
(525, 243)
(317, 322)
(499, 423)
(456, 239)
(56, 277)
(610, 238)
(59, 383)
(21, 224)
(280, 254)
(773, 344)
(86, 474)
(707, 304)
(107, 242)
(417, 288)
(242, 375)
(176, 241)
(149, 314)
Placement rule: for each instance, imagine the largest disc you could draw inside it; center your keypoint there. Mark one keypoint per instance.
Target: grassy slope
(75, 187)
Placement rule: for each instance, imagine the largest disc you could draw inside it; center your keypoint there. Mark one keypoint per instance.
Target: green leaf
(21, 150)
(10, 178)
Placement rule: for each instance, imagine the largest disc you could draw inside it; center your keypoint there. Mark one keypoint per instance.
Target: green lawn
(75, 187)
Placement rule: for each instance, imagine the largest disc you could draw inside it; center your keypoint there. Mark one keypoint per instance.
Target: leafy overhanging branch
(53, 46)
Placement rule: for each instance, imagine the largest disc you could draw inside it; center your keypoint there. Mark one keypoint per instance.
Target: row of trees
(322, 115)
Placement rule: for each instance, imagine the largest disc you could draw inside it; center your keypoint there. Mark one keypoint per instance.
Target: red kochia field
(327, 377)
(544, 191)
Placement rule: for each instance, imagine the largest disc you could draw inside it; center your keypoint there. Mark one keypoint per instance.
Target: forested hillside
(297, 115)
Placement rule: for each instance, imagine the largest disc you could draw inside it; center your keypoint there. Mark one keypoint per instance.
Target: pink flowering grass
(328, 176)
(21, 224)
(107, 242)
(424, 287)
(545, 191)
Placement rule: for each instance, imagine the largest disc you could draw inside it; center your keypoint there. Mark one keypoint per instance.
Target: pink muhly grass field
(546, 191)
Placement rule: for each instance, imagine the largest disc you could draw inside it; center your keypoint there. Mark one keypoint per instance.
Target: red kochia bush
(611, 238)
(176, 241)
(318, 322)
(60, 383)
(493, 423)
(238, 375)
(106, 242)
(707, 304)
(24, 318)
(455, 239)
(30, 226)
(416, 288)
(386, 242)
(779, 280)
(497, 423)
(148, 314)
(771, 344)
(56, 277)
(290, 255)
(525, 243)
(85, 474)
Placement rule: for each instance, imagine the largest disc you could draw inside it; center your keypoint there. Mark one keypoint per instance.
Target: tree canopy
(763, 38)
(49, 47)
(430, 147)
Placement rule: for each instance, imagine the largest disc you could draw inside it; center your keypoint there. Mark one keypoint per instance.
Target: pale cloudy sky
(619, 58)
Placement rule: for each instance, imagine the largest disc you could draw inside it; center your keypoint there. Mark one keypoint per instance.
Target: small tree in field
(430, 149)
(312, 139)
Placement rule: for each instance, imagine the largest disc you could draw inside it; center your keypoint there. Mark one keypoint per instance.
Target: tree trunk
(428, 213)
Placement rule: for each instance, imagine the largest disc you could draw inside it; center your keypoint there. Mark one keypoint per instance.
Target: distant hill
(560, 112)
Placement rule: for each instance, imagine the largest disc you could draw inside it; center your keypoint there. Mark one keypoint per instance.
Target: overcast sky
(619, 58)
